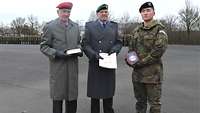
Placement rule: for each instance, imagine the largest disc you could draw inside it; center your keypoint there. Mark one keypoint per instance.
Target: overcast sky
(45, 10)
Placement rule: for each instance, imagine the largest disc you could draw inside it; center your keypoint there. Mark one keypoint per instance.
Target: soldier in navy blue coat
(101, 36)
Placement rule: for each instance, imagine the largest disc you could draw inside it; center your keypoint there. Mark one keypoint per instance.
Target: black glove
(139, 65)
(77, 54)
(111, 52)
(60, 54)
(80, 54)
(97, 56)
(128, 63)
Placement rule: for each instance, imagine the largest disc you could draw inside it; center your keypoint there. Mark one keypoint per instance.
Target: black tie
(104, 25)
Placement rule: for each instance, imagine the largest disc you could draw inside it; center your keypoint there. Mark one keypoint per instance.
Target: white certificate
(108, 61)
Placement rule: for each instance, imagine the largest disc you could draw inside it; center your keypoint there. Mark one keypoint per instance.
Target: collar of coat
(97, 22)
(150, 25)
(106, 22)
(70, 22)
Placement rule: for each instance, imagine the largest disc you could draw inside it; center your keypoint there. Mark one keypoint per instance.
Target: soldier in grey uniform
(149, 41)
(101, 36)
(58, 36)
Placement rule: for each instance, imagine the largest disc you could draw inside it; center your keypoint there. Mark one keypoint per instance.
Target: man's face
(103, 15)
(147, 14)
(64, 14)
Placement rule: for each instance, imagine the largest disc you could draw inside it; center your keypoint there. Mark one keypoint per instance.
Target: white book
(108, 61)
(73, 51)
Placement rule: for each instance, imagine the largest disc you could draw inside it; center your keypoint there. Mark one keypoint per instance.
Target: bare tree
(126, 27)
(92, 16)
(5, 30)
(189, 16)
(124, 23)
(2, 32)
(33, 25)
(111, 16)
(17, 25)
(170, 22)
(197, 26)
(41, 26)
(125, 18)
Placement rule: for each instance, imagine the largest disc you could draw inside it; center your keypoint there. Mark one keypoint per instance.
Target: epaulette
(113, 22)
(49, 22)
(73, 23)
(161, 25)
(137, 28)
(90, 22)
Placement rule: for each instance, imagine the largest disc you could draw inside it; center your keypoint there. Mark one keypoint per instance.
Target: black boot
(71, 106)
(108, 105)
(95, 105)
(57, 106)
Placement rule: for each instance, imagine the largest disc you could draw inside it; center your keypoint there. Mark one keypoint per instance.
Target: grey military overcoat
(63, 72)
(101, 81)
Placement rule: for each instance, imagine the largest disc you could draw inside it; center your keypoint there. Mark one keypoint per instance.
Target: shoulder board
(74, 23)
(113, 22)
(159, 23)
(162, 32)
(138, 27)
(89, 22)
(49, 22)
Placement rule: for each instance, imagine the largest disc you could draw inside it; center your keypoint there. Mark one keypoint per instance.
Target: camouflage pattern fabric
(150, 43)
(147, 92)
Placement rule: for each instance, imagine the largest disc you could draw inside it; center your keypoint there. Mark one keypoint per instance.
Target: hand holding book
(75, 51)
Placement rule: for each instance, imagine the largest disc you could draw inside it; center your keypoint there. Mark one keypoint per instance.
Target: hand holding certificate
(108, 61)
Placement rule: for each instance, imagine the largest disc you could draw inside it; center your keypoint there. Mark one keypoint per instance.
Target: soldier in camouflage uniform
(149, 41)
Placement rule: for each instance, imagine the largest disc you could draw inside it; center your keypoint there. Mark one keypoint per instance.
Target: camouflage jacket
(150, 43)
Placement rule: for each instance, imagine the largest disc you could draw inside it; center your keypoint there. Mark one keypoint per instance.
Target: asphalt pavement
(24, 81)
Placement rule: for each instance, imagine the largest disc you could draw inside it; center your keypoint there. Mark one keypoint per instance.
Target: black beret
(146, 5)
(101, 7)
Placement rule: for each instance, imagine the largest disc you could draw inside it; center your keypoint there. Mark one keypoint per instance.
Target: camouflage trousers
(150, 93)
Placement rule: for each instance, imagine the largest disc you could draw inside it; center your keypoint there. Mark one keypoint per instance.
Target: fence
(181, 37)
(175, 37)
(20, 40)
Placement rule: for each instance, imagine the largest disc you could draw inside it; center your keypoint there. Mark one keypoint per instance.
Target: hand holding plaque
(131, 58)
